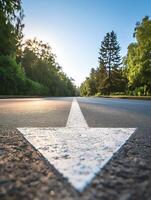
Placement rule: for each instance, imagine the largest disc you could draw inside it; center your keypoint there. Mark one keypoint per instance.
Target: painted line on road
(76, 118)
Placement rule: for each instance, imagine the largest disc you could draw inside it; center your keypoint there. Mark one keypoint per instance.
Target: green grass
(126, 97)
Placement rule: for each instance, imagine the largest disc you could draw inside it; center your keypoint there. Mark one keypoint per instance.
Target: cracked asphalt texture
(25, 174)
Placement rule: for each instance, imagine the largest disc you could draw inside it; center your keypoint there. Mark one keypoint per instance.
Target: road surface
(25, 174)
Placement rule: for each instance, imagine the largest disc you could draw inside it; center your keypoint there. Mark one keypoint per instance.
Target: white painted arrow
(77, 151)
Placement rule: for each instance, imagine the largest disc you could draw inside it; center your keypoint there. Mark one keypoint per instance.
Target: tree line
(130, 75)
(27, 68)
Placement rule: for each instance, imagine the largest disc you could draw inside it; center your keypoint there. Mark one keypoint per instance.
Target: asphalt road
(24, 174)
(34, 112)
(53, 112)
(106, 112)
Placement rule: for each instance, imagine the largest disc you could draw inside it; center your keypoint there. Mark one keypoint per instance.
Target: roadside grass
(125, 97)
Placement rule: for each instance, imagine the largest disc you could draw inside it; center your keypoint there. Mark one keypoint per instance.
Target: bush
(35, 88)
(118, 93)
(13, 80)
(98, 94)
(12, 77)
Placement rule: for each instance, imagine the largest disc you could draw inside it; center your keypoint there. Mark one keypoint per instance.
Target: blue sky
(75, 28)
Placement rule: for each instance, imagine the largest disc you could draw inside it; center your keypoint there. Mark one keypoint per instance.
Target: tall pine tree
(110, 58)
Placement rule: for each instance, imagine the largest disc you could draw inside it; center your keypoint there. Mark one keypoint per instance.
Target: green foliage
(14, 81)
(134, 78)
(12, 77)
(11, 16)
(109, 61)
(37, 72)
(109, 51)
(139, 59)
(39, 64)
(89, 87)
(85, 88)
(102, 79)
(108, 77)
(31, 68)
(34, 88)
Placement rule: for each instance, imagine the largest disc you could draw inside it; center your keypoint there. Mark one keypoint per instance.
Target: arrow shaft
(76, 118)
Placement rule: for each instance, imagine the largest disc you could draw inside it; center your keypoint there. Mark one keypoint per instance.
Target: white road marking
(77, 151)
(76, 118)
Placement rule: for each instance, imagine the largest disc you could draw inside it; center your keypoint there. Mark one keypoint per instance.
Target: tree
(92, 82)
(89, 86)
(108, 77)
(28, 68)
(11, 15)
(102, 79)
(12, 77)
(85, 88)
(39, 64)
(109, 57)
(139, 59)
